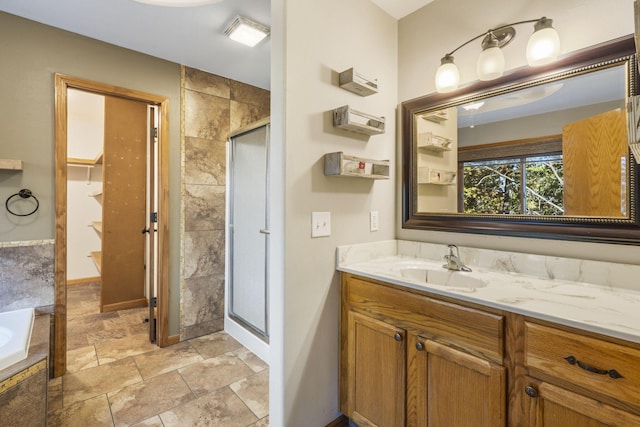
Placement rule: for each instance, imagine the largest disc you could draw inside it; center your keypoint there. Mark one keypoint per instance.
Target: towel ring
(24, 194)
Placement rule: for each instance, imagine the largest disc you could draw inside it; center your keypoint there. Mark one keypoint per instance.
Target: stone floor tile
(261, 423)
(140, 401)
(215, 344)
(88, 383)
(254, 362)
(92, 412)
(111, 350)
(166, 359)
(150, 422)
(254, 392)
(81, 358)
(76, 341)
(106, 335)
(214, 373)
(221, 408)
(54, 394)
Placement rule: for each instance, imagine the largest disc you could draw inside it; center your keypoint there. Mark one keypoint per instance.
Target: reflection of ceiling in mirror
(587, 89)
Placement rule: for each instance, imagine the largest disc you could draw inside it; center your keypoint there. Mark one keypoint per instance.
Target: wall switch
(373, 221)
(320, 224)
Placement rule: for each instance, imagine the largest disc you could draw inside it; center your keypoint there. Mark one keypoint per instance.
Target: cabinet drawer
(448, 323)
(600, 366)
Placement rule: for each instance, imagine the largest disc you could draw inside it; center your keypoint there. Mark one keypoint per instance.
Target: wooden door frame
(62, 83)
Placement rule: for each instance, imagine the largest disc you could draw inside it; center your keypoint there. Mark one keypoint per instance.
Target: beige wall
(31, 54)
(426, 35)
(322, 39)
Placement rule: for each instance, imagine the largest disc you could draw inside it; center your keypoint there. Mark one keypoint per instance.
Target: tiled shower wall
(213, 106)
(26, 274)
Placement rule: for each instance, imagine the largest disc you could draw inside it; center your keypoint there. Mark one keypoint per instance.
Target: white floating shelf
(436, 116)
(340, 164)
(9, 164)
(355, 82)
(356, 121)
(427, 175)
(430, 141)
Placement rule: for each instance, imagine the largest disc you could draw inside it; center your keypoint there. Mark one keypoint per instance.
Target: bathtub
(15, 334)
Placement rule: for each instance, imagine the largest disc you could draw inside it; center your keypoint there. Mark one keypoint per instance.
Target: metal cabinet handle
(419, 346)
(611, 372)
(397, 336)
(531, 391)
(265, 231)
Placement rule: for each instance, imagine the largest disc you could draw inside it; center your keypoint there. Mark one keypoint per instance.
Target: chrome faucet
(453, 260)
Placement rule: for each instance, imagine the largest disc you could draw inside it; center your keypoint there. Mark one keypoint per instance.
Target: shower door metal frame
(263, 335)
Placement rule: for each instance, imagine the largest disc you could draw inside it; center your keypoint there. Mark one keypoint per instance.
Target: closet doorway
(132, 253)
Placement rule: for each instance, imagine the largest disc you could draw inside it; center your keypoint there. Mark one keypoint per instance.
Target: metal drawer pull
(611, 372)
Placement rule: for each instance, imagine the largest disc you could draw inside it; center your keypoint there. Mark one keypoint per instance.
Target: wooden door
(124, 204)
(450, 388)
(376, 370)
(595, 156)
(550, 406)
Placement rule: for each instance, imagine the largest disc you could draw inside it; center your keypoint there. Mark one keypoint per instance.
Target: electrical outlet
(320, 224)
(374, 224)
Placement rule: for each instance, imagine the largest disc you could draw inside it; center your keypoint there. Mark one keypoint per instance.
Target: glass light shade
(246, 31)
(490, 63)
(543, 46)
(447, 77)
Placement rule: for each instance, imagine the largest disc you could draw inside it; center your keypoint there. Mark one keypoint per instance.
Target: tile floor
(115, 377)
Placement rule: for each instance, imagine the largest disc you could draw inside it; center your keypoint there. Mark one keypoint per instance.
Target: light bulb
(447, 76)
(544, 44)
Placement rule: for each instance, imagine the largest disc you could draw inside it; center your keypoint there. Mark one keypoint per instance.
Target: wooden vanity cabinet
(409, 359)
(376, 377)
(448, 387)
(579, 380)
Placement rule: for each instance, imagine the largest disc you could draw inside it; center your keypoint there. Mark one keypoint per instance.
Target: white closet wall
(85, 138)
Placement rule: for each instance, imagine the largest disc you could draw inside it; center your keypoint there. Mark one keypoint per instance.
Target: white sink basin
(443, 277)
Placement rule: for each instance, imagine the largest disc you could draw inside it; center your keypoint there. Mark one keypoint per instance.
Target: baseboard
(142, 302)
(173, 339)
(341, 421)
(83, 280)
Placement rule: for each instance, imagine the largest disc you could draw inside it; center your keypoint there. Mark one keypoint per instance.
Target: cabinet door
(376, 371)
(551, 406)
(450, 388)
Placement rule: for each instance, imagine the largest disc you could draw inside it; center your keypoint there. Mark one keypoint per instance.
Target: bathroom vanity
(487, 347)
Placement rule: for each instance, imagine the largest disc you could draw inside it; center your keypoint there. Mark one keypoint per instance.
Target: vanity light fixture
(543, 47)
(246, 31)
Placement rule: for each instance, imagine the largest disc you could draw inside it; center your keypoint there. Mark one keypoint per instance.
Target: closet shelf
(96, 193)
(9, 164)
(97, 259)
(97, 225)
(75, 161)
(340, 164)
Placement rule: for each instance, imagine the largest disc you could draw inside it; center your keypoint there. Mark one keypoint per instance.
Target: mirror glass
(558, 148)
(535, 148)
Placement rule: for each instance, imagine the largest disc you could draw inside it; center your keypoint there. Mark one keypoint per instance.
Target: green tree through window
(530, 185)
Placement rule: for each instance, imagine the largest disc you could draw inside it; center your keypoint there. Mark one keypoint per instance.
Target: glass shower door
(249, 230)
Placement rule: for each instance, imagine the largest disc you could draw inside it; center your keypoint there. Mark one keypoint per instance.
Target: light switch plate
(320, 224)
(374, 224)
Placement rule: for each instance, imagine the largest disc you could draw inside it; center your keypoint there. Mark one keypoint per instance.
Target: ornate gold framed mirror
(541, 152)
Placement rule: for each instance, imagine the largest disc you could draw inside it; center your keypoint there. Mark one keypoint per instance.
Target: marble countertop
(606, 310)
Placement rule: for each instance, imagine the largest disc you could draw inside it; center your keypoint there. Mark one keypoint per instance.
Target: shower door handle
(265, 231)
